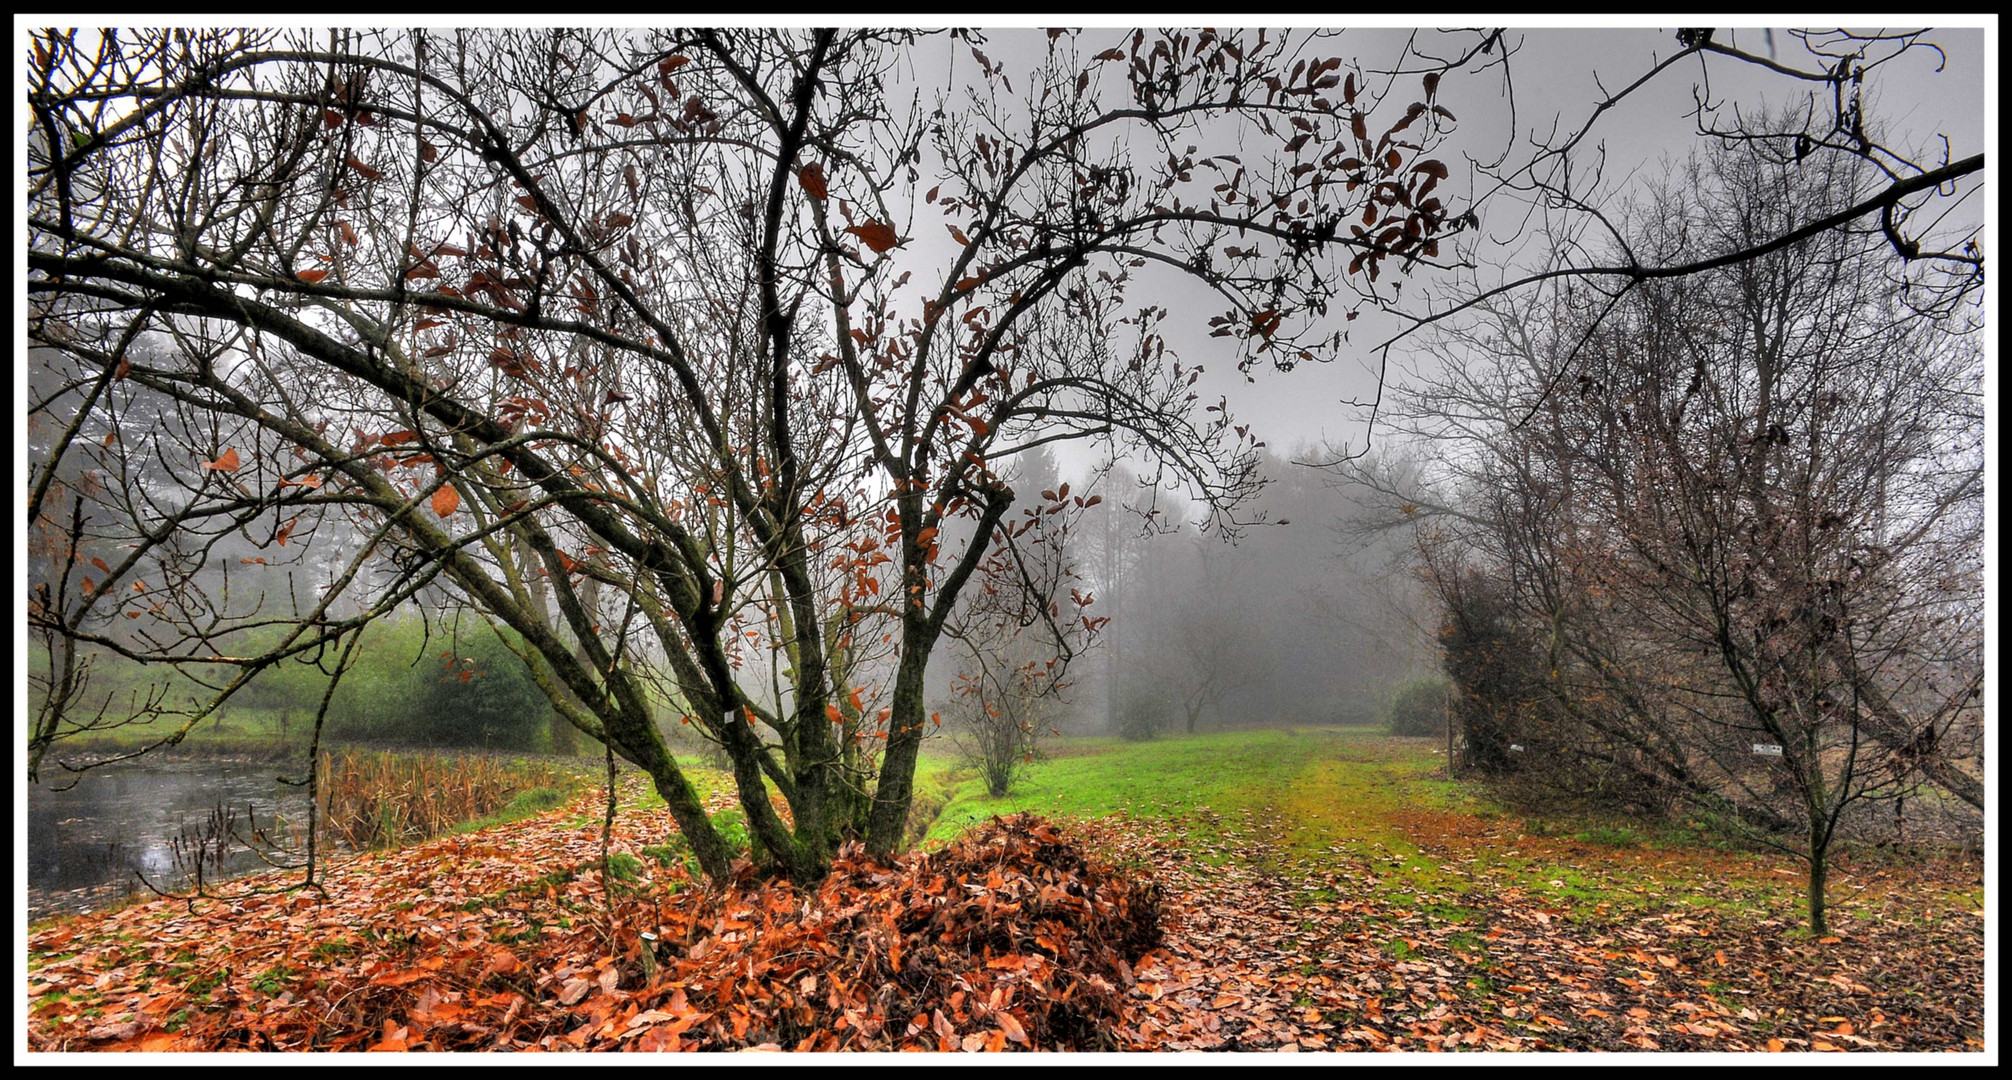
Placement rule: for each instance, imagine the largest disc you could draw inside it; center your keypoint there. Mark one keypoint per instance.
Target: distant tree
(1019, 627)
(1212, 640)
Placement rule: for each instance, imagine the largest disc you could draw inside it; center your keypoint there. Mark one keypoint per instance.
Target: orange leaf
(446, 500)
(228, 462)
(876, 235)
(312, 276)
(1011, 1027)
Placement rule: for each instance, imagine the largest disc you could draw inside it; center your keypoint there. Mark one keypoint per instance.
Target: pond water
(93, 836)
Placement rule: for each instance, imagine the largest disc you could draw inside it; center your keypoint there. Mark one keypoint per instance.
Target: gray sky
(1557, 75)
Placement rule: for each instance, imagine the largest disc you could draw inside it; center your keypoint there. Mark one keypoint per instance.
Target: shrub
(1419, 707)
(416, 688)
(1495, 673)
(1145, 709)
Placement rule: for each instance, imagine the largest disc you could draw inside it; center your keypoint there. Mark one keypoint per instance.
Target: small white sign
(1515, 748)
(1767, 749)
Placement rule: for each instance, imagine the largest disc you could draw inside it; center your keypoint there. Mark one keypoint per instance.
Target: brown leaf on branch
(811, 176)
(876, 235)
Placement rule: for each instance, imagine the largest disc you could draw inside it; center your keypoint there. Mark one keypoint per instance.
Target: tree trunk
(1819, 873)
(715, 859)
(888, 819)
(560, 729)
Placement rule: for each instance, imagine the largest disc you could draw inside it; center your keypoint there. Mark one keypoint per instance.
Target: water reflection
(87, 845)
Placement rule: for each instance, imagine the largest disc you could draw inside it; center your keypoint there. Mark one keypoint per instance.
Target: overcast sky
(1556, 75)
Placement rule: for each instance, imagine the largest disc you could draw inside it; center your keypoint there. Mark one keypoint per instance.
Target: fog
(1290, 614)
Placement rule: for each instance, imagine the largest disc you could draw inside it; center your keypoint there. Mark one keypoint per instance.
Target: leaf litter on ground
(1023, 935)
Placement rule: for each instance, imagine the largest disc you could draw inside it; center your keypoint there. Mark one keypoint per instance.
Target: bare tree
(656, 309)
(1912, 202)
(1211, 643)
(1019, 627)
(1739, 541)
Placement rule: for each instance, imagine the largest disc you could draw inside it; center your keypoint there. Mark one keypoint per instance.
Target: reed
(384, 799)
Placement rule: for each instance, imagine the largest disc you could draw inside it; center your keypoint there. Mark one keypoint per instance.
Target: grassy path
(1335, 891)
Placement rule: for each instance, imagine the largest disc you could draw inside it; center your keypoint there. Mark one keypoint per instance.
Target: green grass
(1326, 799)
(236, 733)
(1610, 836)
(524, 804)
(1324, 787)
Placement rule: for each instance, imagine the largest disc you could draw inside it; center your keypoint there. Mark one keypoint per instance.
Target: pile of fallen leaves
(1012, 938)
